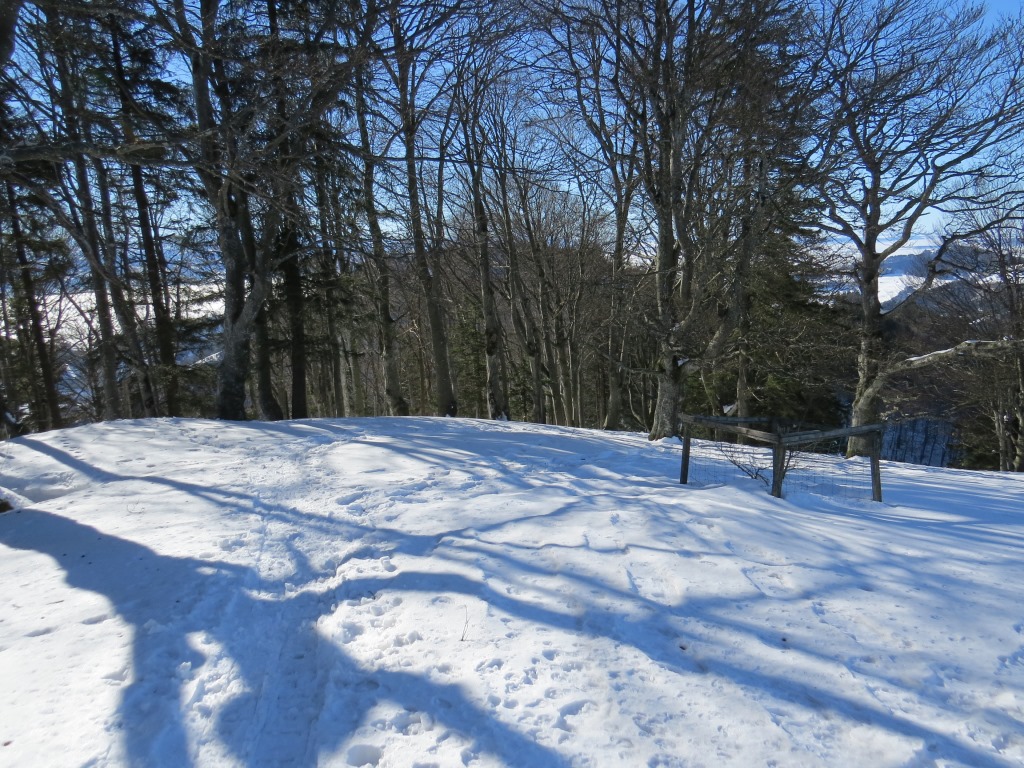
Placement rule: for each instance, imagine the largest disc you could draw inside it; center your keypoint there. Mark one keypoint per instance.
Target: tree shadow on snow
(284, 672)
(283, 665)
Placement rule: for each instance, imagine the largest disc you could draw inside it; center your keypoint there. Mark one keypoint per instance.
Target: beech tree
(918, 103)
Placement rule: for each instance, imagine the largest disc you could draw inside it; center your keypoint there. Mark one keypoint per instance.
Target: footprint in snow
(350, 631)
(348, 498)
(572, 710)
(364, 754)
(403, 640)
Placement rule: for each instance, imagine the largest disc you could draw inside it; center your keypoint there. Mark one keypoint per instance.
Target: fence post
(876, 470)
(778, 466)
(684, 467)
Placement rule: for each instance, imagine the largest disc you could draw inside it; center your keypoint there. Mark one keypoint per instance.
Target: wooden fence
(783, 438)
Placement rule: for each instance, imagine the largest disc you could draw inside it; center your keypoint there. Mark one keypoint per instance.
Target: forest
(595, 213)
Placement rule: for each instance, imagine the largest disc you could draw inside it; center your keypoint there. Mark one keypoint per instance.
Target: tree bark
(297, 327)
(269, 408)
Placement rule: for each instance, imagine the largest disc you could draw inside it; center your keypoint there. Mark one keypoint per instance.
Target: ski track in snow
(425, 592)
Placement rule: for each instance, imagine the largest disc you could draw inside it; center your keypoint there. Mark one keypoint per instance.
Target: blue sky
(1003, 7)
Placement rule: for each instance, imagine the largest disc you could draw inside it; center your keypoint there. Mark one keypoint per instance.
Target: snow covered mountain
(429, 592)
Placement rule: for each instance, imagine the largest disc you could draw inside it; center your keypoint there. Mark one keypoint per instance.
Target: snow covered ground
(427, 592)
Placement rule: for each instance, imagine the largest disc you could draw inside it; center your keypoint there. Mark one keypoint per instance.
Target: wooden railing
(785, 436)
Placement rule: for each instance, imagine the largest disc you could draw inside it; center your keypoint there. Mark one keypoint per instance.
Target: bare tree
(479, 94)
(609, 162)
(679, 79)
(378, 255)
(917, 105)
(513, 138)
(420, 37)
(987, 299)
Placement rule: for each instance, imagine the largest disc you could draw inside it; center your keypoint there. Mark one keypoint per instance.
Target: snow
(905, 272)
(436, 592)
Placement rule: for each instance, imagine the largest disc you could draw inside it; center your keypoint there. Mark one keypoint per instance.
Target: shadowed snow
(431, 592)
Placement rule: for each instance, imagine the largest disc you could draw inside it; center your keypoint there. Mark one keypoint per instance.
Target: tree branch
(970, 348)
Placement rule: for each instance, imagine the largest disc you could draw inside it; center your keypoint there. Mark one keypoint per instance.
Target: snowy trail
(448, 592)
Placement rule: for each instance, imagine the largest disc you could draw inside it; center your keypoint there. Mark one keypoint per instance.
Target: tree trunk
(616, 336)
(86, 222)
(111, 404)
(121, 301)
(8, 28)
(297, 327)
(387, 328)
(163, 325)
(53, 419)
(553, 380)
(358, 391)
(1018, 418)
(742, 381)
(667, 407)
(331, 268)
(234, 364)
(338, 354)
(867, 402)
(269, 408)
(166, 341)
(563, 367)
(497, 402)
(523, 318)
(426, 272)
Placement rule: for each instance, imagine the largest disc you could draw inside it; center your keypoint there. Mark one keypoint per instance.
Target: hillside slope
(428, 592)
